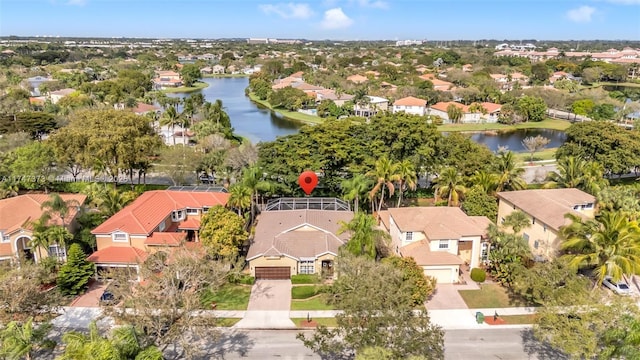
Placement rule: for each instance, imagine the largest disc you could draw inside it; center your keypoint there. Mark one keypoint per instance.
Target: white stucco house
(410, 105)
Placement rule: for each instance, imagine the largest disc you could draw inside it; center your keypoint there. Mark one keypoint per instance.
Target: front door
(327, 268)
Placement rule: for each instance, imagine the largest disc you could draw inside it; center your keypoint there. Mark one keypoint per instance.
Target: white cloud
(335, 19)
(77, 2)
(625, 2)
(288, 10)
(581, 14)
(378, 4)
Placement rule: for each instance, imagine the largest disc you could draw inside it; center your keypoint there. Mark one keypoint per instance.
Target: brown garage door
(273, 272)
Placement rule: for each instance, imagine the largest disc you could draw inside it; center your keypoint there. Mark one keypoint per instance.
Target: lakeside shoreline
(198, 85)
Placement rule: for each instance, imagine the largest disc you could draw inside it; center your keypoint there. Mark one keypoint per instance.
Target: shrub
(305, 279)
(421, 286)
(236, 278)
(478, 275)
(74, 275)
(303, 292)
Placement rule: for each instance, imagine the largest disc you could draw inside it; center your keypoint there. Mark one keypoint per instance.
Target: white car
(620, 287)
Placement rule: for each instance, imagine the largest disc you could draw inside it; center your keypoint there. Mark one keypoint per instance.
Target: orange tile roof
(118, 255)
(151, 208)
(410, 101)
(442, 106)
(16, 212)
(422, 254)
(166, 238)
(143, 108)
(491, 107)
(189, 224)
(357, 78)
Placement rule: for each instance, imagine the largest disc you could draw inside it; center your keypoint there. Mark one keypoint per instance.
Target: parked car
(620, 287)
(207, 179)
(108, 297)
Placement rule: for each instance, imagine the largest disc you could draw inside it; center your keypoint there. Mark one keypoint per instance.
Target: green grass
(291, 115)
(552, 124)
(304, 292)
(305, 279)
(329, 322)
(227, 322)
(518, 319)
(229, 297)
(491, 296)
(316, 303)
(546, 154)
(186, 89)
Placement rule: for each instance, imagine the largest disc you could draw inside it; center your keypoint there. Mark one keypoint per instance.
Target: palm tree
(454, 113)
(610, 243)
(509, 175)
(240, 198)
(355, 189)
(449, 183)
(59, 235)
(385, 173)
(365, 239)
(486, 181)
(57, 205)
(20, 340)
(171, 118)
(112, 201)
(517, 221)
(406, 176)
(253, 178)
(593, 180)
(39, 239)
(568, 175)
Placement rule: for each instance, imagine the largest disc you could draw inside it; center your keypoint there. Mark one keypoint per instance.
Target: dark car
(108, 297)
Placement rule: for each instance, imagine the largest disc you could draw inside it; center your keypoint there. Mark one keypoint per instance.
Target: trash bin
(479, 317)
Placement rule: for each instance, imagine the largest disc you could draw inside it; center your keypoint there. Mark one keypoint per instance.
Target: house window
(57, 251)
(484, 251)
(409, 236)
(525, 236)
(307, 266)
(119, 237)
(162, 226)
(544, 228)
(443, 244)
(577, 207)
(205, 209)
(501, 220)
(177, 215)
(589, 206)
(5, 238)
(192, 211)
(536, 244)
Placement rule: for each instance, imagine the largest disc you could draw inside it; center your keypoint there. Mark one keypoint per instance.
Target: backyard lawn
(545, 154)
(315, 303)
(491, 296)
(229, 297)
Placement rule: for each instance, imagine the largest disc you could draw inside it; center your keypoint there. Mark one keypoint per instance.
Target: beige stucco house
(546, 209)
(440, 239)
(290, 242)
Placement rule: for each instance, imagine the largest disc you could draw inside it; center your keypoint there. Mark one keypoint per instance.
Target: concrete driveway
(446, 297)
(269, 306)
(92, 297)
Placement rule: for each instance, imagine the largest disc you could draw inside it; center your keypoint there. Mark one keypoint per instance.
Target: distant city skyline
(325, 19)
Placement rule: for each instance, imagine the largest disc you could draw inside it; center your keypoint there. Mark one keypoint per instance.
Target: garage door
(273, 272)
(443, 276)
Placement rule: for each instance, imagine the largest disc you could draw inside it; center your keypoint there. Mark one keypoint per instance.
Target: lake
(260, 124)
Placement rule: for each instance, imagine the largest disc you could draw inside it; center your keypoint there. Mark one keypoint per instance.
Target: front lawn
(491, 296)
(228, 297)
(198, 85)
(304, 292)
(317, 303)
(518, 319)
(227, 322)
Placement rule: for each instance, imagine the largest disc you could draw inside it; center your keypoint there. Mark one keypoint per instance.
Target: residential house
(388, 87)
(55, 96)
(371, 107)
(439, 239)
(17, 215)
(289, 242)
(546, 210)
(143, 109)
(167, 79)
(467, 68)
(217, 69)
(207, 70)
(159, 220)
(328, 94)
(438, 84)
(410, 105)
(441, 109)
(357, 79)
(307, 88)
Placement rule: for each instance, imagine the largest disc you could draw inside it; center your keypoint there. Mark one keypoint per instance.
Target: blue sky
(326, 19)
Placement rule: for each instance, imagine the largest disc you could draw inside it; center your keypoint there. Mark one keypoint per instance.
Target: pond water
(260, 124)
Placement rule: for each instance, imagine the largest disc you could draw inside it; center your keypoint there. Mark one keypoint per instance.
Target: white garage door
(443, 275)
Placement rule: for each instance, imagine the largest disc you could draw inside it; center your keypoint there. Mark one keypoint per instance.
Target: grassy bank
(225, 75)
(552, 124)
(186, 89)
(291, 115)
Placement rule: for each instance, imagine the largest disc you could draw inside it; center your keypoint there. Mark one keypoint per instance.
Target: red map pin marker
(308, 181)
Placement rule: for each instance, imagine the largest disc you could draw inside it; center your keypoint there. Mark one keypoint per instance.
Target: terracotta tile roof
(328, 94)
(63, 92)
(491, 107)
(548, 205)
(189, 224)
(162, 73)
(422, 254)
(149, 209)
(16, 212)
(298, 233)
(305, 87)
(438, 223)
(442, 106)
(298, 75)
(118, 255)
(410, 101)
(142, 108)
(166, 238)
(437, 83)
(358, 79)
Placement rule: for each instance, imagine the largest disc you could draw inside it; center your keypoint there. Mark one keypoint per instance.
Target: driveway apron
(269, 306)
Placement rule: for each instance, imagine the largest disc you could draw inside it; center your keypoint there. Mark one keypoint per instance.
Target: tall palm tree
(509, 174)
(610, 243)
(385, 173)
(56, 205)
(486, 181)
(60, 236)
(240, 197)
(568, 175)
(593, 180)
(253, 178)
(171, 118)
(406, 177)
(517, 221)
(449, 184)
(454, 113)
(39, 239)
(366, 239)
(113, 200)
(355, 189)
